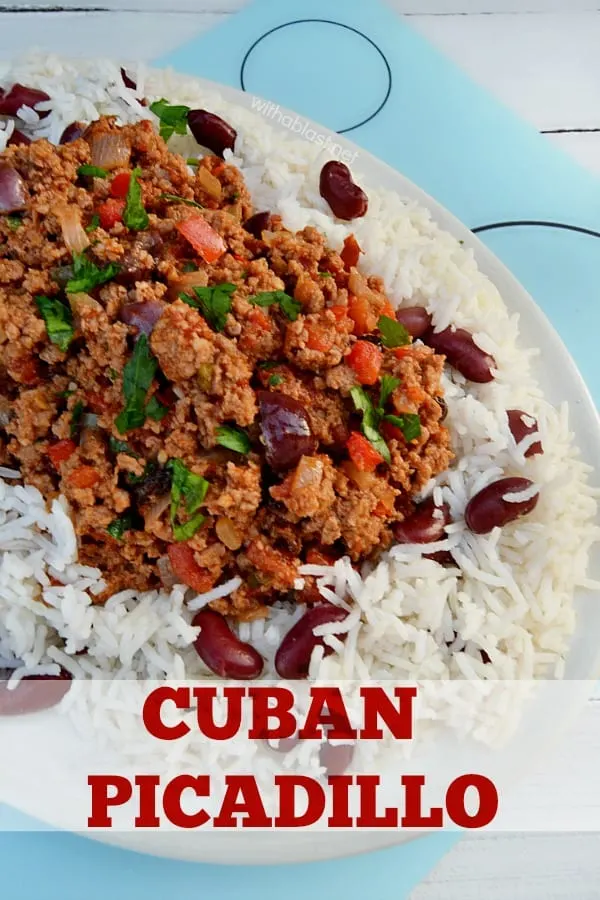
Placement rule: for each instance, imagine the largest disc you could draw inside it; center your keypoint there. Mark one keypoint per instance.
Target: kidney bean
(17, 139)
(462, 353)
(256, 224)
(20, 95)
(127, 81)
(425, 525)
(415, 319)
(336, 757)
(519, 430)
(12, 190)
(211, 131)
(489, 509)
(283, 745)
(285, 429)
(293, 657)
(222, 650)
(72, 132)
(34, 693)
(442, 557)
(346, 199)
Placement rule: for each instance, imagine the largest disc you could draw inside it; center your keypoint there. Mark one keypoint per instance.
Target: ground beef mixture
(214, 395)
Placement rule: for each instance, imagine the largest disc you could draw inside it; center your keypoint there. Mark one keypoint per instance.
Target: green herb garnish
(135, 216)
(274, 380)
(65, 394)
(386, 389)
(137, 479)
(233, 439)
(393, 333)
(118, 527)
(325, 274)
(289, 307)
(192, 161)
(189, 267)
(117, 446)
(408, 423)
(58, 319)
(94, 222)
(190, 489)
(155, 409)
(113, 374)
(76, 416)
(138, 374)
(370, 421)
(173, 119)
(269, 364)
(15, 220)
(87, 275)
(213, 302)
(94, 171)
(173, 198)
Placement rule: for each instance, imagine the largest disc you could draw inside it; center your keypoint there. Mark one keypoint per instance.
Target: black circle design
(535, 224)
(341, 25)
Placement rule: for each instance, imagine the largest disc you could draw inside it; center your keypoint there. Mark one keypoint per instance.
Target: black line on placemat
(534, 223)
(54, 9)
(341, 25)
(570, 131)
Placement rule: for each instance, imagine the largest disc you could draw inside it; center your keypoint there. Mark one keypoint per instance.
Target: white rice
(510, 593)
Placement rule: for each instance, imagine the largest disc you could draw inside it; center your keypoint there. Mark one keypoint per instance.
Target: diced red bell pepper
(186, 569)
(365, 359)
(203, 238)
(317, 338)
(61, 451)
(363, 454)
(361, 313)
(120, 185)
(111, 212)
(350, 252)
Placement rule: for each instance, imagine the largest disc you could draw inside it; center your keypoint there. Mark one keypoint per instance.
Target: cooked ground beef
(142, 393)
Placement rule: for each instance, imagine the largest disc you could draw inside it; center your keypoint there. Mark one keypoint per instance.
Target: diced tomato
(363, 454)
(25, 370)
(401, 352)
(316, 557)
(365, 359)
(260, 319)
(318, 339)
(203, 238)
(111, 212)
(186, 569)
(84, 477)
(361, 313)
(60, 451)
(120, 185)
(340, 312)
(392, 432)
(274, 563)
(350, 252)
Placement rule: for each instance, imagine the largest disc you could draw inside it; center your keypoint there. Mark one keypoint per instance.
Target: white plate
(44, 756)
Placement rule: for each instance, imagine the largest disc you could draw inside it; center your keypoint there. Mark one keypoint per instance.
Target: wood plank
(410, 7)
(517, 867)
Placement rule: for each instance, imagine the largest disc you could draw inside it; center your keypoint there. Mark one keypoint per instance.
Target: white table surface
(542, 58)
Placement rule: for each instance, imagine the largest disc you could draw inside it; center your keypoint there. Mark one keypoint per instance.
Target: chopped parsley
(213, 302)
(192, 161)
(118, 527)
(233, 439)
(325, 274)
(269, 364)
(117, 446)
(58, 319)
(288, 306)
(370, 421)
(156, 410)
(190, 490)
(65, 394)
(76, 416)
(408, 423)
(173, 198)
(138, 374)
(274, 380)
(87, 275)
(113, 374)
(235, 195)
(93, 171)
(393, 333)
(173, 119)
(94, 222)
(135, 216)
(189, 267)
(15, 220)
(372, 416)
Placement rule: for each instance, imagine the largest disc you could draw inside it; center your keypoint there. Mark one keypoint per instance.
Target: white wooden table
(542, 58)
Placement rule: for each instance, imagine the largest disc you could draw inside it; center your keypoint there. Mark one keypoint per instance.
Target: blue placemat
(357, 68)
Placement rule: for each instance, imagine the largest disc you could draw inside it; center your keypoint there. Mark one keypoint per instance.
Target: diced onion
(228, 534)
(209, 183)
(80, 301)
(74, 236)
(110, 151)
(187, 281)
(156, 510)
(363, 480)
